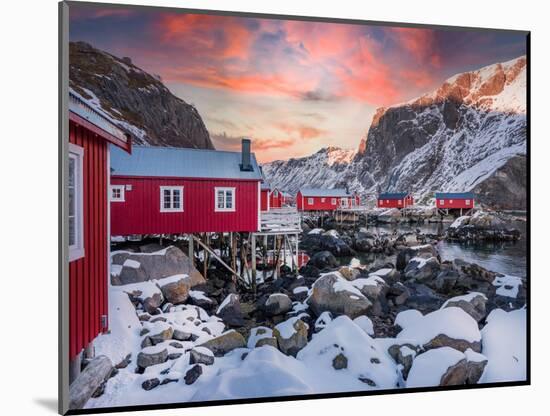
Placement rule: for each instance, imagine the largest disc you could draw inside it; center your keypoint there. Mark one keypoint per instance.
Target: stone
(151, 304)
(174, 355)
(175, 344)
(473, 304)
(201, 356)
(323, 260)
(349, 273)
(193, 374)
(168, 262)
(164, 334)
(89, 381)
(230, 311)
(150, 384)
(445, 280)
(277, 304)
(175, 292)
(291, 335)
(271, 341)
(344, 299)
(169, 380)
(405, 255)
(309, 270)
(224, 343)
(340, 362)
(314, 243)
(422, 270)
(403, 354)
(151, 356)
(180, 335)
(392, 215)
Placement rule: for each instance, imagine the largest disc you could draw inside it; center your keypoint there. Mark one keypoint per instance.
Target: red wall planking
(455, 203)
(264, 199)
(140, 211)
(318, 204)
(88, 276)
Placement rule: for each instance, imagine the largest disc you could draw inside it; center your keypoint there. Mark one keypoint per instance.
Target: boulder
(309, 270)
(226, 342)
(403, 354)
(340, 362)
(420, 269)
(181, 335)
(313, 243)
(89, 380)
(405, 255)
(335, 294)
(445, 280)
(175, 290)
(447, 327)
(323, 260)
(349, 273)
(390, 216)
(193, 374)
(271, 341)
(230, 311)
(159, 332)
(152, 304)
(291, 335)
(473, 304)
(152, 356)
(201, 355)
(150, 384)
(278, 304)
(154, 266)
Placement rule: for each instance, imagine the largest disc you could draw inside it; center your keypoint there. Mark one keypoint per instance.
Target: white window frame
(450, 201)
(399, 202)
(171, 189)
(442, 201)
(344, 202)
(224, 189)
(467, 202)
(76, 250)
(121, 188)
(310, 201)
(323, 200)
(333, 201)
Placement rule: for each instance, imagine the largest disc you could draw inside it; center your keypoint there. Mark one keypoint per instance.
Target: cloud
(233, 143)
(301, 131)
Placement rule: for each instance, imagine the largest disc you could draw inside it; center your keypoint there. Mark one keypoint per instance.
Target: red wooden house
(90, 134)
(160, 190)
(264, 197)
(457, 200)
(395, 200)
(276, 198)
(317, 199)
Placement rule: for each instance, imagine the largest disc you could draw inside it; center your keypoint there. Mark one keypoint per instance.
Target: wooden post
(190, 249)
(297, 251)
(253, 259)
(205, 257)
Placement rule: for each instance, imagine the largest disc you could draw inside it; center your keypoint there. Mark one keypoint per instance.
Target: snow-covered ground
(265, 371)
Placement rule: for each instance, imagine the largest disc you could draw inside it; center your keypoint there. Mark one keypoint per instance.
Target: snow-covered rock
(450, 327)
(291, 335)
(472, 303)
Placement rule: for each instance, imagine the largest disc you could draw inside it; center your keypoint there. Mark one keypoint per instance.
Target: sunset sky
(291, 86)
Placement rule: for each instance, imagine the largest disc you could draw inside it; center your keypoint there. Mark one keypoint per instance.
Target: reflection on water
(507, 257)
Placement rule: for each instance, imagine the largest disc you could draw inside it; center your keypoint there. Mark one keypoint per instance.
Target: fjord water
(503, 257)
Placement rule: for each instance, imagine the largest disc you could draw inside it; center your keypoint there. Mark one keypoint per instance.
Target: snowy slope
(455, 138)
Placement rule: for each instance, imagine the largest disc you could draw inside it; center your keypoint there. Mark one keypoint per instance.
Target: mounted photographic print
(262, 207)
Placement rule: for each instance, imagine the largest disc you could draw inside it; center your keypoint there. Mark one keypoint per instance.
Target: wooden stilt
(190, 248)
(205, 256)
(213, 253)
(253, 259)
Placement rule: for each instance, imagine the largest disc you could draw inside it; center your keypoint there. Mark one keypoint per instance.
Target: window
(343, 202)
(117, 193)
(442, 201)
(76, 210)
(387, 201)
(225, 199)
(450, 201)
(467, 202)
(399, 202)
(310, 201)
(323, 199)
(333, 201)
(275, 193)
(171, 199)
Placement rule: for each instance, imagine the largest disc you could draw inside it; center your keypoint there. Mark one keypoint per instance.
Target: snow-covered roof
(79, 106)
(181, 163)
(455, 195)
(393, 195)
(337, 192)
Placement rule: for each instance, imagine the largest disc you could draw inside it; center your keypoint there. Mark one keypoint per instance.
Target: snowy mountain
(467, 135)
(134, 99)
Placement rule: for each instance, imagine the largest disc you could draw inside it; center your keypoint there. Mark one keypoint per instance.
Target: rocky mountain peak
(134, 99)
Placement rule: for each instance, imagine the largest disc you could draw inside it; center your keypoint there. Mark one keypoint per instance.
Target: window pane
(220, 199)
(229, 199)
(72, 171)
(72, 231)
(72, 202)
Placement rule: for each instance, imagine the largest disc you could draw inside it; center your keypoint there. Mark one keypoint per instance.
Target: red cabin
(90, 133)
(264, 197)
(276, 199)
(160, 190)
(459, 200)
(395, 200)
(311, 199)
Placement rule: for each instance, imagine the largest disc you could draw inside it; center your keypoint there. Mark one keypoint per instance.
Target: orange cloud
(418, 42)
(302, 131)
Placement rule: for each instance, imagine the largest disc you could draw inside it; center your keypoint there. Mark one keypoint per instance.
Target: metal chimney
(245, 156)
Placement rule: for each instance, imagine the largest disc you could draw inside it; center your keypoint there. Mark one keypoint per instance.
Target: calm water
(508, 258)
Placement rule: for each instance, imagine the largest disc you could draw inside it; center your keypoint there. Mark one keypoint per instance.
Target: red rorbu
(318, 199)
(395, 200)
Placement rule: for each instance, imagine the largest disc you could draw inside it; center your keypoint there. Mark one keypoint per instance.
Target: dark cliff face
(137, 99)
(507, 188)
